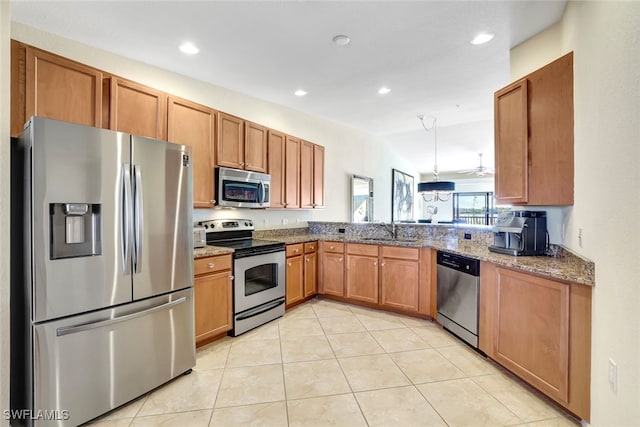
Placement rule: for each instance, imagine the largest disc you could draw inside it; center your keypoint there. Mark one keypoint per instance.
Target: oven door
(242, 189)
(258, 279)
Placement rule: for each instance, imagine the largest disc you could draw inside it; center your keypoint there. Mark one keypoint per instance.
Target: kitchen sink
(389, 239)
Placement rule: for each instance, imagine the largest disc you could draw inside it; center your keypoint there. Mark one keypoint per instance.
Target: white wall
(445, 209)
(605, 38)
(347, 151)
(5, 58)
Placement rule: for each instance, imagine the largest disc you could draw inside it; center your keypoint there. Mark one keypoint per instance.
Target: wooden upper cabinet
(276, 144)
(194, 125)
(534, 137)
(306, 175)
(46, 85)
(292, 173)
(511, 140)
(255, 147)
(311, 175)
(230, 142)
(318, 176)
(137, 109)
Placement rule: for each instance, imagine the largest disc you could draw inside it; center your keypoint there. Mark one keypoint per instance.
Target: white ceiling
(268, 49)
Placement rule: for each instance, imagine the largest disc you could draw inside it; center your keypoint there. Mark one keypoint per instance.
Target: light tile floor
(331, 364)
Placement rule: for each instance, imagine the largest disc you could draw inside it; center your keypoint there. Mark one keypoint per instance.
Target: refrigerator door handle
(139, 218)
(126, 218)
(66, 330)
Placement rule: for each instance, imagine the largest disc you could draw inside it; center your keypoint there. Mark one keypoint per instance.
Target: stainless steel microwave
(242, 189)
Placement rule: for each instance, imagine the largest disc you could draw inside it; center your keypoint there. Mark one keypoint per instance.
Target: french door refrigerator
(102, 270)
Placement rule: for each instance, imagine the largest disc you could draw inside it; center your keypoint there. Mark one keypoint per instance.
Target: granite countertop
(211, 251)
(568, 267)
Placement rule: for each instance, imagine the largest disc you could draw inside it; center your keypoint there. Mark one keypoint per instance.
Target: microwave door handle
(263, 193)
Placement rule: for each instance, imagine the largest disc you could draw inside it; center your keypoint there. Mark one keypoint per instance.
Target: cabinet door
(295, 279)
(318, 176)
(255, 147)
(137, 109)
(332, 274)
(511, 143)
(276, 168)
(213, 305)
(230, 143)
(55, 88)
(292, 173)
(310, 274)
(362, 278)
(399, 284)
(532, 313)
(194, 125)
(306, 175)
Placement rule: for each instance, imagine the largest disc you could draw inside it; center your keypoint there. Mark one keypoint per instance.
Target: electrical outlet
(580, 236)
(285, 221)
(467, 236)
(613, 375)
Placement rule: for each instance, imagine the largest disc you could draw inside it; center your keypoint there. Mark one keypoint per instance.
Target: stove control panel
(220, 225)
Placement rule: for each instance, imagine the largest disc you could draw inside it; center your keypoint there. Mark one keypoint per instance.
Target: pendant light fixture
(435, 191)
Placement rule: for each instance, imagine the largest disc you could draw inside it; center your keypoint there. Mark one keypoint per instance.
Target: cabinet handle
(306, 260)
(241, 163)
(232, 277)
(332, 247)
(375, 262)
(340, 260)
(289, 264)
(210, 265)
(213, 202)
(296, 250)
(382, 265)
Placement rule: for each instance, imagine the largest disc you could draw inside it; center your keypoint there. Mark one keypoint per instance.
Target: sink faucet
(391, 228)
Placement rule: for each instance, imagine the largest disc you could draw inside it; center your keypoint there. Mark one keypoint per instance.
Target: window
(477, 208)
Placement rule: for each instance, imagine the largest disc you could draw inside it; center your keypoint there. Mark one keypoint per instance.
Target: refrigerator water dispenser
(75, 230)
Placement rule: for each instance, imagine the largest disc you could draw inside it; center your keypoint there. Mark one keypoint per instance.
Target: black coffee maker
(520, 233)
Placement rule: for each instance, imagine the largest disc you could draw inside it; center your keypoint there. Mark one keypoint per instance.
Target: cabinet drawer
(337, 247)
(310, 247)
(400, 253)
(360, 249)
(212, 264)
(293, 250)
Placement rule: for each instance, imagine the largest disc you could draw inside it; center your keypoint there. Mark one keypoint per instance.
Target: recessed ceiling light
(300, 92)
(482, 38)
(341, 40)
(189, 48)
(384, 90)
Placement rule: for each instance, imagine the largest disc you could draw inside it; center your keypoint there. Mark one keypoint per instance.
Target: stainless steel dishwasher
(459, 295)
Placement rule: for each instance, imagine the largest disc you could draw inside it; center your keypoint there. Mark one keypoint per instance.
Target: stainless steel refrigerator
(102, 270)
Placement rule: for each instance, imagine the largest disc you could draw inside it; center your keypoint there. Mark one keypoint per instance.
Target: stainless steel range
(259, 272)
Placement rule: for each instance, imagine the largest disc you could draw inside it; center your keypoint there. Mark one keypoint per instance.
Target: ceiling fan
(479, 170)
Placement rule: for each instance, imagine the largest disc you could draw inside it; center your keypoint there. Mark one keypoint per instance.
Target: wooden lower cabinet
(389, 277)
(213, 290)
(400, 281)
(331, 268)
(539, 329)
(295, 279)
(362, 273)
(302, 271)
(310, 269)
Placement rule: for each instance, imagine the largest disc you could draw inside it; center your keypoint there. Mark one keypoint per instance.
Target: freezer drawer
(90, 364)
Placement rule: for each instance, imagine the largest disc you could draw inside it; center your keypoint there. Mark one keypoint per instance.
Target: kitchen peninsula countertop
(211, 251)
(567, 266)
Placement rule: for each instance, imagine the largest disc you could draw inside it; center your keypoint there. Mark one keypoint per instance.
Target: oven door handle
(259, 310)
